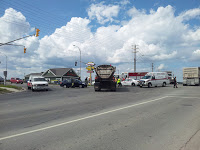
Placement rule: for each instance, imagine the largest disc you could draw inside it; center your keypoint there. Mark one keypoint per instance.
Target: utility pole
(152, 67)
(135, 48)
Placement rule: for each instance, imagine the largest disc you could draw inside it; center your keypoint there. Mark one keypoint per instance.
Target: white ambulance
(154, 79)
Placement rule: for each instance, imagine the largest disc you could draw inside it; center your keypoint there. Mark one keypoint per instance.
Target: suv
(72, 83)
(16, 80)
(37, 83)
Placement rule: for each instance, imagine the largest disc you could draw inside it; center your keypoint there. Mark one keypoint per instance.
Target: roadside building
(59, 74)
(26, 77)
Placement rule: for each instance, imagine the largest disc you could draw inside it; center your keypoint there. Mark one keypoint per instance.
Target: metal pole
(135, 57)
(6, 67)
(6, 62)
(80, 58)
(15, 40)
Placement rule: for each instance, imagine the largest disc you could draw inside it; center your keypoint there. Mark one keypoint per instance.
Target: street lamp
(80, 58)
(6, 68)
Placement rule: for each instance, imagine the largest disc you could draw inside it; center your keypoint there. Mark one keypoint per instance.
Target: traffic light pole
(80, 59)
(15, 40)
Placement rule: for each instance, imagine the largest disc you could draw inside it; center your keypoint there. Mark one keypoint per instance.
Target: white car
(131, 82)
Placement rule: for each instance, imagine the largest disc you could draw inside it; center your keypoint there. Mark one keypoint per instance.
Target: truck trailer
(105, 78)
(191, 76)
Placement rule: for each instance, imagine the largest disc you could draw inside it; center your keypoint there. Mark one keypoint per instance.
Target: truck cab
(37, 83)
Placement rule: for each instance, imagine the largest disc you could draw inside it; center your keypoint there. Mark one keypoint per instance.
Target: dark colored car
(72, 83)
(1, 80)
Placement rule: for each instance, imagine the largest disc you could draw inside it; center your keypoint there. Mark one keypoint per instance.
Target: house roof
(34, 74)
(60, 71)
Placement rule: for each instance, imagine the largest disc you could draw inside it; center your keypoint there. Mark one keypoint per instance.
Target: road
(131, 118)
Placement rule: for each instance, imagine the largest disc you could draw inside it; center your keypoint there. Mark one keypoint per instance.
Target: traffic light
(37, 32)
(24, 50)
(75, 63)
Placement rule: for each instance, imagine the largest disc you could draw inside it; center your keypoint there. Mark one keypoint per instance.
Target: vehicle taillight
(96, 78)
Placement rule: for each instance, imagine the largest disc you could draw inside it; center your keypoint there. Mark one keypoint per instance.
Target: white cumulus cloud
(160, 35)
(161, 66)
(196, 55)
(103, 13)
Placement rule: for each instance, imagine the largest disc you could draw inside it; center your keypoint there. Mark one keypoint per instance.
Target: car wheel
(21, 82)
(133, 84)
(32, 89)
(149, 85)
(164, 84)
(47, 89)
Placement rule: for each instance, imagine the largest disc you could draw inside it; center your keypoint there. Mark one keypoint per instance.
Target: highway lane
(166, 122)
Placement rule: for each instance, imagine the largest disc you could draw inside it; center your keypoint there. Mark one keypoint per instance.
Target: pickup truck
(37, 83)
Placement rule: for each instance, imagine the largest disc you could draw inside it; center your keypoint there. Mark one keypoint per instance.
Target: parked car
(16, 80)
(1, 80)
(37, 83)
(72, 83)
(130, 81)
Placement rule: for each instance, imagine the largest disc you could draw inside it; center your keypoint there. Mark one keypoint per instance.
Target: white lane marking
(177, 96)
(92, 116)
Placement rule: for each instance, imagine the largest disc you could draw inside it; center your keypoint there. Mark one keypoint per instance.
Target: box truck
(191, 76)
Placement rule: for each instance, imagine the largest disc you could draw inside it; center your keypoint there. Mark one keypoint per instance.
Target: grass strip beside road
(11, 86)
(3, 91)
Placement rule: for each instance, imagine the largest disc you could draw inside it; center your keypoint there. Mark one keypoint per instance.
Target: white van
(153, 79)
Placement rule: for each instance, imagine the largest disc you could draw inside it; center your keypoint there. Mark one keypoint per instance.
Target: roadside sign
(90, 71)
(5, 73)
(90, 64)
(90, 68)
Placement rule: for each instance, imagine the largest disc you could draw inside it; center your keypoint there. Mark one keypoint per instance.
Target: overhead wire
(76, 31)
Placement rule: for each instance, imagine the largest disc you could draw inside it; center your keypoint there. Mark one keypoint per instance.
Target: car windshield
(39, 79)
(67, 80)
(127, 79)
(17, 78)
(78, 81)
(146, 77)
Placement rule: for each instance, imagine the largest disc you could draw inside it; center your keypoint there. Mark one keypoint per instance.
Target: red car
(16, 80)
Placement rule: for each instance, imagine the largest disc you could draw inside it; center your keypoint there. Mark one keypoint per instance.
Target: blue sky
(166, 32)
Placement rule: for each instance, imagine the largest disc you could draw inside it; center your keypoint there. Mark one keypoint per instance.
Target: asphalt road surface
(132, 118)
